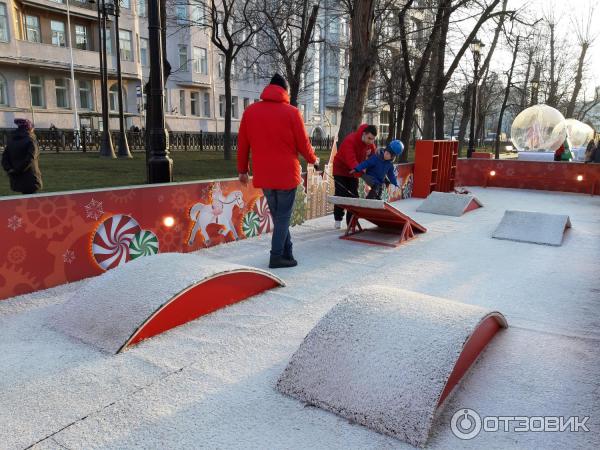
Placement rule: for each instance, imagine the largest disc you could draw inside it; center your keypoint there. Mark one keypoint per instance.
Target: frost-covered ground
(210, 383)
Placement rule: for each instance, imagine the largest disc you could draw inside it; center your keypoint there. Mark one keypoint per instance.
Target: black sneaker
(278, 262)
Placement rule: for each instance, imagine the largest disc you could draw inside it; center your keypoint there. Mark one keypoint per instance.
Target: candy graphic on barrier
(251, 224)
(144, 243)
(264, 213)
(110, 245)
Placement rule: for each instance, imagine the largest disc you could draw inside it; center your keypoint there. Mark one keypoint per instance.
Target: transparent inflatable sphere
(538, 128)
(579, 133)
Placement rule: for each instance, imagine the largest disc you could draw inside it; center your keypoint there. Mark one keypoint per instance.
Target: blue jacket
(378, 168)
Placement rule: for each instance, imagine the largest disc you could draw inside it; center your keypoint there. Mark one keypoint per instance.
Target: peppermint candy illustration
(264, 213)
(110, 245)
(251, 224)
(144, 243)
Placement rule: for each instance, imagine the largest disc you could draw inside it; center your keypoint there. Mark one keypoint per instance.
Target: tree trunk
(505, 100)
(227, 136)
(578, 77)
(524, 96)
(361, 66)
(552, 99)
(465, 116)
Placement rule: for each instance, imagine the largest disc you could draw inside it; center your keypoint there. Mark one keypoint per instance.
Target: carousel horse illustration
(219, 212)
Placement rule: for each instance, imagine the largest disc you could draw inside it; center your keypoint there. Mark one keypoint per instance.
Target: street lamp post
(476, 46)
(160, 166)
(123, 146)
(106, 145)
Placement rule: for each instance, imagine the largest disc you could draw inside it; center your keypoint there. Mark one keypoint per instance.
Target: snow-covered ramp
(150, 295)
(387, 358)
(449, 204)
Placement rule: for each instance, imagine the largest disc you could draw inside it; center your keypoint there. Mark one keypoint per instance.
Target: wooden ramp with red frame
(393, 226)
(151, 295)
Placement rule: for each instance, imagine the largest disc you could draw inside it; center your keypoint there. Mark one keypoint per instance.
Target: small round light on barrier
(579, 177)
(492, 173)
(168, 221)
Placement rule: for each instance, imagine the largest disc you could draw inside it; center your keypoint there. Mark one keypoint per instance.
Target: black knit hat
(278, 80)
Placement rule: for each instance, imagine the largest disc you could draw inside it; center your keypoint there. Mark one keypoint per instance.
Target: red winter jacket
(351, 153)
(275, 132)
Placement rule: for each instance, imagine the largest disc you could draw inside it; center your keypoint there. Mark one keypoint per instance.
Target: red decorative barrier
(550, 176)
(50, 239)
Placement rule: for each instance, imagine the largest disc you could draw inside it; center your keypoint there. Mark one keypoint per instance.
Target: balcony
(78, 8)
(53, 57)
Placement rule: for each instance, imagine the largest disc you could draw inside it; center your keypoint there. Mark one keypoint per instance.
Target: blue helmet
(395, 147)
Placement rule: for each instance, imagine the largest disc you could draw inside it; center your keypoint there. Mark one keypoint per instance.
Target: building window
(198, 13)
(32, 29)
(81, 37)
(221, 106)
(203, 62)
(206, 103)
(62, 92)
(108, 42)
(195, 103)
(113, 100)
(200, 61)
(3, 23)
(125, 44)
(141, 8)
(234, 107)
(246, 103)
(85, 94)
(384, 123)
(125, 4)
(58, 33)
(36, 85)
(342, 88)
(144, 51)
(3, 91)
(334, 118)
(182, 102)
(183, 58)
(221, 67)
(181, 12)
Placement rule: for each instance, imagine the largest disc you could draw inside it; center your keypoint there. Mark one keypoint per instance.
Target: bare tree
(585, 38)
(290, 31)
(233, 23)
(509, 77)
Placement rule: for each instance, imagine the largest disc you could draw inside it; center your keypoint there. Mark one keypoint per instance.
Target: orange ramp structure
(393, 226)
(151, 295)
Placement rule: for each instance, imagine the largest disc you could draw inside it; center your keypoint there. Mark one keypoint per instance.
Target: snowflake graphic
(69, 256)
(94, 210)
(15, 222)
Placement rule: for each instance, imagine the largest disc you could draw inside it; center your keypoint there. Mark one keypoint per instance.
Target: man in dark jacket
(355, 148)
(20, 159)
(274, 131)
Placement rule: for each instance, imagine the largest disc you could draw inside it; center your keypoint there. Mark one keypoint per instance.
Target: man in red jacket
(354, 149)
(275, 132)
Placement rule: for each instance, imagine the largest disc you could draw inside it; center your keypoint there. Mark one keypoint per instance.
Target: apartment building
(41, 39)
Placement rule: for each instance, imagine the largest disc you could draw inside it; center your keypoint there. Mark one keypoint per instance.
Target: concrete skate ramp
(533, 227)
(387, 358)
(150, 295)
(449, 204)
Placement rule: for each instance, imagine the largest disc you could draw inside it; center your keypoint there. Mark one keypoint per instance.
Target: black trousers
(376, 191)
(344, 187)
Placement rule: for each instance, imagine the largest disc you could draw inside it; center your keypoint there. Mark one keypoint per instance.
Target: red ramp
(151, 295)
(393, 226)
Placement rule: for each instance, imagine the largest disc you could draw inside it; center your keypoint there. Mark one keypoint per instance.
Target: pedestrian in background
(20, 159)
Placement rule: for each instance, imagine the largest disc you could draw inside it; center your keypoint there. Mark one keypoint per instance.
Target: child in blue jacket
(378, 167)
